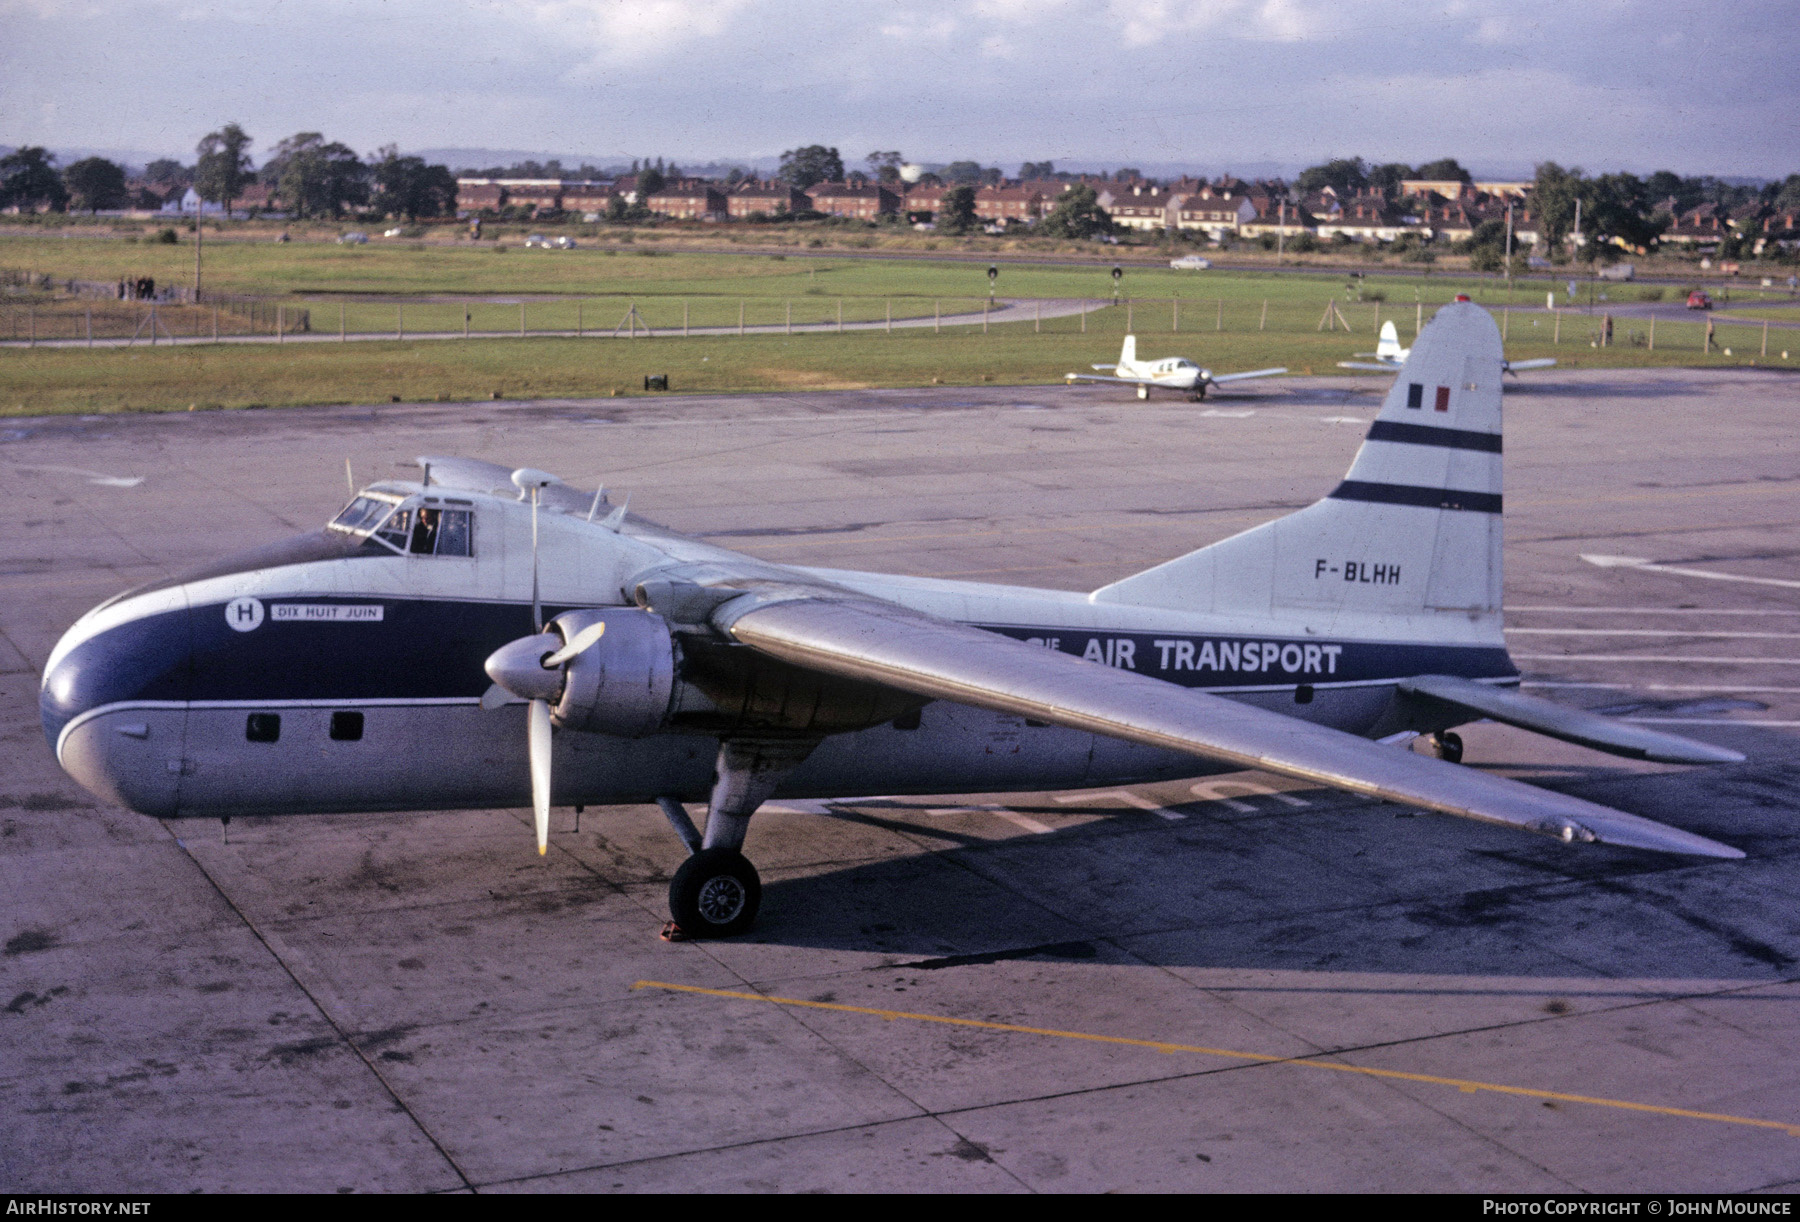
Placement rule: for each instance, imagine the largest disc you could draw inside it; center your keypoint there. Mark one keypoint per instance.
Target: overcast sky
(1254, 84)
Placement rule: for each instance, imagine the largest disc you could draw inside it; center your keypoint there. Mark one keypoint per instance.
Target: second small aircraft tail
(1388, 347)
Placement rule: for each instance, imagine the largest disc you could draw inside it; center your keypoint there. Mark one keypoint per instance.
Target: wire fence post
(840, 315)
(399, 322)
(1556, 331)
(1037, 319)
(740, 315)
(1653, 333)
(936, 317)
(1084, 316)
(578, 328)
(521, 320)
(216, 321)
(1174, 315)
(984, 316)
(1263, 325)
(1128, 316)
(1505, 318)
(90, 331)
(280, 318)
(1220, 324)
(684, 317)
(1765, 347)
(787, 323)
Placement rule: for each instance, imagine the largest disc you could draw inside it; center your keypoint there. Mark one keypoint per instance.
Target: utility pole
(1280, 231)
(197, 252)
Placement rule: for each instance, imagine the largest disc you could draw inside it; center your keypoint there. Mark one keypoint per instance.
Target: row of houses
(1229, 207)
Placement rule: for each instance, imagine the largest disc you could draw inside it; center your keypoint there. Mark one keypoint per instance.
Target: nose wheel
(1448, 746)
(715, 894)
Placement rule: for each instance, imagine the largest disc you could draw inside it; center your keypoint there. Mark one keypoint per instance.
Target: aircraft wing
(1369, 367)
(1218, 379)
(1569, 724)
(1543, 362)
(1095, 377)
(873, 640)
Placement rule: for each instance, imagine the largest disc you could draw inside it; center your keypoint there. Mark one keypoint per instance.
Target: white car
(563, 242)
(538, 240)
(353, 239)
(1190, 263)
(395, 232)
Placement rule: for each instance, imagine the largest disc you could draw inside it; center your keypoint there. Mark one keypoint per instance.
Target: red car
(1698, 300)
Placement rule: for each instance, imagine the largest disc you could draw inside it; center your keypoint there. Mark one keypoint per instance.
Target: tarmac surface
(1241, 984)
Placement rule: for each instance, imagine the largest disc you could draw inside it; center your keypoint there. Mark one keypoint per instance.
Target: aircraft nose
(114, 701)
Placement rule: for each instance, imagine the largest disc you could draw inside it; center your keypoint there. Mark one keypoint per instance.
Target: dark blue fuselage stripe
(1424, 498)
(1434, 435)
(423, 649)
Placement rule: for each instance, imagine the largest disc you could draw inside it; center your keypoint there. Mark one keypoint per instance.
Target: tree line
(1613, 208)
(310, 175)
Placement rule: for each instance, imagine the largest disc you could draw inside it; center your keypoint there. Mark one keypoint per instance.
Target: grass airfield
(426, 296)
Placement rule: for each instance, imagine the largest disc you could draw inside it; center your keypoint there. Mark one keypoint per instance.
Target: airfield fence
(31, 316)
(150, 322)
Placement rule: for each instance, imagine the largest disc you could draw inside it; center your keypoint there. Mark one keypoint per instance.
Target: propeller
(532, 668)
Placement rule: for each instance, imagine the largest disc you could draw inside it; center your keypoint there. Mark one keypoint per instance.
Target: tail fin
(1128, 353)
(1389, 346)
(1414, 529)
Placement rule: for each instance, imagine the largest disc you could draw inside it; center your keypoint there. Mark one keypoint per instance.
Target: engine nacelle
(641, 678)
(623, 684)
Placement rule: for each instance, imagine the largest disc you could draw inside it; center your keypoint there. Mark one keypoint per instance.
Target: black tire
(715, 894)
(1449, 746)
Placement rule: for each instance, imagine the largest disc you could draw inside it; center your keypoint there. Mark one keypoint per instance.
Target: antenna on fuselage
(526, 479)
(595, 507)
(349, 476)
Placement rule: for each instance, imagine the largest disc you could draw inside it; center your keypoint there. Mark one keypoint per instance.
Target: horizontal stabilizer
(1544, 362)
(880, 642)
(1570, 725)
(1366, 365)
(1220, 378)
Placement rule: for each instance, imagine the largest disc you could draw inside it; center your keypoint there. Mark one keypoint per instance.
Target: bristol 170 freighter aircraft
(1168, 373)
(488, 637)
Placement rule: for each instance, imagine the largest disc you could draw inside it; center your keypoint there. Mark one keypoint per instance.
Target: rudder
(1414, 528)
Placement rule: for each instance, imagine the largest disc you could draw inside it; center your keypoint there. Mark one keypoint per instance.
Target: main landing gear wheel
(1447, 746)
(715, 894)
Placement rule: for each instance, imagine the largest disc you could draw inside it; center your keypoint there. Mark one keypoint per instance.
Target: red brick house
(863, 201)
(765, 199)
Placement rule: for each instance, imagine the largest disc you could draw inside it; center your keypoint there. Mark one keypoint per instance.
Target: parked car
(353, 238)
(538, 240)
(563, 242)
(1190, 263)
(396, 232)
(1698, 300)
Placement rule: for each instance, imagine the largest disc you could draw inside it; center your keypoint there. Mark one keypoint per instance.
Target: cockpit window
(410, 528)
(361, 513)
(397, 529)
(453, 534)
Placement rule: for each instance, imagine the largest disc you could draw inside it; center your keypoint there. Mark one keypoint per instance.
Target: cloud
(625, 31)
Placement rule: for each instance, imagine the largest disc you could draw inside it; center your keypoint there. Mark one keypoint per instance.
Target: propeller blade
(539, 741)
(537, 606)
(580, 641)
(495, 697)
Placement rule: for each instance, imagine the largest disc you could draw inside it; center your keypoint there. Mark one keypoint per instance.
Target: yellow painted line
(1465, 1085)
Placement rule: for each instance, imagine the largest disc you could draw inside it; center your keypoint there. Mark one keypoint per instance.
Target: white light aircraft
(1170, 373)
(1389, 355)
(490, 638)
